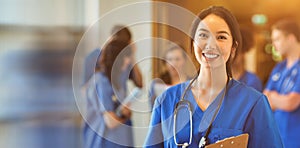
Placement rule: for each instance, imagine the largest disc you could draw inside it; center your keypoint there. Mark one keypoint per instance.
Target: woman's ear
(233, 50)
(292, 37)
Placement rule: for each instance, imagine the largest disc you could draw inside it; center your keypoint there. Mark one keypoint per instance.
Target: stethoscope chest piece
(202, 142)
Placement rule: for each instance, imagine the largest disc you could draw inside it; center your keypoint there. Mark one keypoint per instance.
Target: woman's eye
(222, 37)
(203, 35)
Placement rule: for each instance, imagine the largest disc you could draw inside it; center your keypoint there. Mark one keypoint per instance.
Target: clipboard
(240, 141)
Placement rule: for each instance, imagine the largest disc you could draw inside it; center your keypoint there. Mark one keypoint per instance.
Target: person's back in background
(106, 91)
(119, 32)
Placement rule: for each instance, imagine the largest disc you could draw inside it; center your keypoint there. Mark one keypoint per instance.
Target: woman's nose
(211, 43)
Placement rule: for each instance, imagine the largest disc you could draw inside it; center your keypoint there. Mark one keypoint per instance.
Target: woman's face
(126, 62)
(175, 61)
(212, 42)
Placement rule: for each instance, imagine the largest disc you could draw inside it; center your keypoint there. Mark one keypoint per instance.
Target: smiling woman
(219, 106)
(212, 41)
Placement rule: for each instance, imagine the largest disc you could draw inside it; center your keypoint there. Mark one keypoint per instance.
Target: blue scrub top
(285, 81)
(100, 99)
(243, 110)
(90, 64)
(252, 80)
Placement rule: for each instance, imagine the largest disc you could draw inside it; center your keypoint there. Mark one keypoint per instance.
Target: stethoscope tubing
(202, 142)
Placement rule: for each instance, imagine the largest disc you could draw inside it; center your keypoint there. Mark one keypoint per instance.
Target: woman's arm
(135, 74)
(107, 109)
(112, 120)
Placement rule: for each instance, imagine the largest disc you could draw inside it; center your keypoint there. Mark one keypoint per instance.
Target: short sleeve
(255, 82)
(154, 137)
(89, 65)
(296, 87)
(105, 94)
(261, 126)
(270, 84)
(258, 85)
(151, 94)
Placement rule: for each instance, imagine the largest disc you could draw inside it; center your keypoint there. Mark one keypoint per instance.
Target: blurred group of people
(270, 115)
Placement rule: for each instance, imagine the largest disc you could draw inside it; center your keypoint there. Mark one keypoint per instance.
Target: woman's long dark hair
(111, 60)
(232, 23)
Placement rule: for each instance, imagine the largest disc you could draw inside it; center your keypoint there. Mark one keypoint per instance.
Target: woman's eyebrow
(202, 29)
(219, 32)
(224, 32)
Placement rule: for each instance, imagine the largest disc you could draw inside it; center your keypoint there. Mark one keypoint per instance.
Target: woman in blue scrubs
(176, 59)
(238, 66)
(283, 87)
(216, 37)
(106, 89)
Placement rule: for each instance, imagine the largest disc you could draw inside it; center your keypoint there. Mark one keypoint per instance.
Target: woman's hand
(126, 112)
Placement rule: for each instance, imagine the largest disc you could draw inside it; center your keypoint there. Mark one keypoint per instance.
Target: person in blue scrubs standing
(283, 86)
(219, 104)
(118, 32)
(238, 66)
(106, 90)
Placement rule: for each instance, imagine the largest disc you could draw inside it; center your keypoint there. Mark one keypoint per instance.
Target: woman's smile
(210, 55)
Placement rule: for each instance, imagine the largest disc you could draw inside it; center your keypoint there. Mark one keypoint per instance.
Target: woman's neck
(293, 56)
(208, 85)
(214, 79)
(291, 60)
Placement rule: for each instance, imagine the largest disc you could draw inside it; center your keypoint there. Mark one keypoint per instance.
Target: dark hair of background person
(112, 56)
(288, 26)
(121, 32)
(247, 40)
(118, 32)
(165, 75)
(232, 23)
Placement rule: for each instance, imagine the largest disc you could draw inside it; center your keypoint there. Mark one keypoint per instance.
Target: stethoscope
(185, 103)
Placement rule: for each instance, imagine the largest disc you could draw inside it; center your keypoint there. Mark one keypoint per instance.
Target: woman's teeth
(210, 55)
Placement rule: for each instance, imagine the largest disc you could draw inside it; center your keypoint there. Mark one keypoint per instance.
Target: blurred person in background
(105, 91)
(118, 32)
(238, 66)
(283, 86)
(174, 61)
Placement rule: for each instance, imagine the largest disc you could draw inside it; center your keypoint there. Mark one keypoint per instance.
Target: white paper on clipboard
(135, 94)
